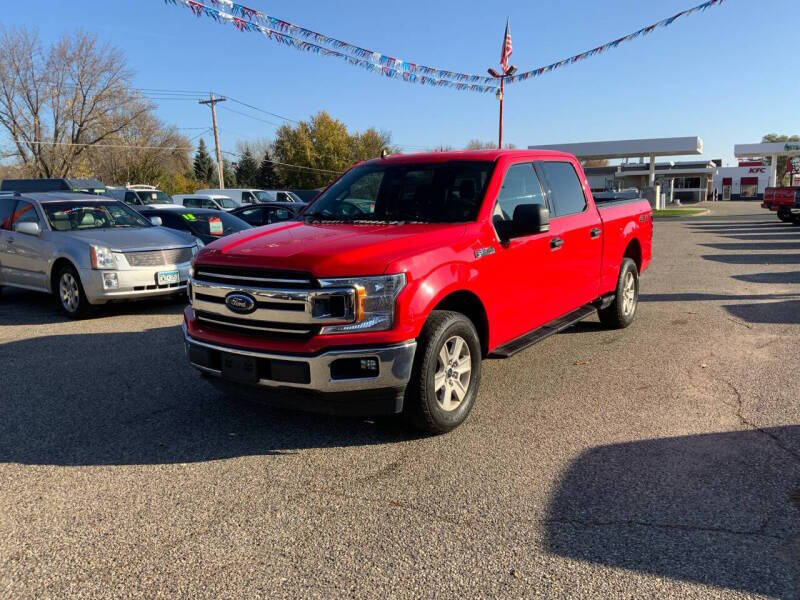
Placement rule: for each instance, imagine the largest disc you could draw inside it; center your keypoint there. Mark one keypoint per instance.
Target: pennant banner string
(283, 32)
(600, 49)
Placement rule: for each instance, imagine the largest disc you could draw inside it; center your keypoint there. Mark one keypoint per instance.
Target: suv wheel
(621, 312)
(71, 297)
(446, 374)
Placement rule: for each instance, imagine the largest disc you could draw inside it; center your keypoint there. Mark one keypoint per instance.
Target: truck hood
(121, 239)
(329, 250)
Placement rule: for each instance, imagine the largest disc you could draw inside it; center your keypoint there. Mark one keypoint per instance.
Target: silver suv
(88, 250)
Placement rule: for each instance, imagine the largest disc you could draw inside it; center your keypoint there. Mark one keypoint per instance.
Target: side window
(252, 216)
(520, 186)
(209, 204)
(191, 202)
(131, 198)
(24, 213)
(563, 188)
(6, 210)
(248, 198)
(284, 197)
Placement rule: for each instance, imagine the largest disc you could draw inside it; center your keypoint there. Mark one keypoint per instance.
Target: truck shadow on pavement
(715, 509)
(131, 398)
(23, 307)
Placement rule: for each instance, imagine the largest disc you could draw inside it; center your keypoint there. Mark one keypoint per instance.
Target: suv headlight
(375, 302)
(102, 258)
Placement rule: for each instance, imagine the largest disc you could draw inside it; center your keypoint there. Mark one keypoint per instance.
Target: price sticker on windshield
(215, 226)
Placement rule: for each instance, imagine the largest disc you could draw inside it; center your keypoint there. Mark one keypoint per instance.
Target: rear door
(6, 210)
(576, 243)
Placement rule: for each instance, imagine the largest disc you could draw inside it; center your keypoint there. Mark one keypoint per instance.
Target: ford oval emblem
(240, 303)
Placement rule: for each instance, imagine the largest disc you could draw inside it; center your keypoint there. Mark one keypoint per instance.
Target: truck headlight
(102, 258)
(197, 247)
(375, 302)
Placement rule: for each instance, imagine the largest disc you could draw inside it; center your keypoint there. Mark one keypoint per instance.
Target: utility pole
(213, 102)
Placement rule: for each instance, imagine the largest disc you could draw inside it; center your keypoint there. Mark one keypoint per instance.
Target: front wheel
(446, 374)
(71, 297)
(621, 312)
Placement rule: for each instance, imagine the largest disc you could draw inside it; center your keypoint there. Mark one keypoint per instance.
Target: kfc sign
(793, 164)
(758, 170)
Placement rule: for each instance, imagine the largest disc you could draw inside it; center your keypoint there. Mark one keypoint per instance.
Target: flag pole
(500, 137)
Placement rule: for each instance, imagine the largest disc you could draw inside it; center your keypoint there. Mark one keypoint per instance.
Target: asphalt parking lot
(657, 461)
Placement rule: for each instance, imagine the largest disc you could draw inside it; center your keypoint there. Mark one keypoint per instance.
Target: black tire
(796, 220)
(426, 407)
(785, 215)
(619, 314)
(76, 305)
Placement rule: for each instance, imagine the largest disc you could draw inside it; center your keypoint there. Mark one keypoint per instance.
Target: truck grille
(252, 326)
(261, 278)
(157, 258)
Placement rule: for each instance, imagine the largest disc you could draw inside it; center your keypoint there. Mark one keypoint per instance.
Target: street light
(509, 72)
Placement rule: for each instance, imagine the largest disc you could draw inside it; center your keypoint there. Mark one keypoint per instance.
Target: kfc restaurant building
(745, 182)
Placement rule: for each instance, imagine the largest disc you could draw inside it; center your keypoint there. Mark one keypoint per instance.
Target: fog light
(110, 281)
(369, 364)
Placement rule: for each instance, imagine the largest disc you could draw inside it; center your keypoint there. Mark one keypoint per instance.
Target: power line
(128, 146)
(249, 116)
(261, 110)
(290, 166)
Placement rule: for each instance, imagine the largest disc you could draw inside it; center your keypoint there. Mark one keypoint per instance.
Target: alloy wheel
(69, 292)
(628, 294)
(453, 372)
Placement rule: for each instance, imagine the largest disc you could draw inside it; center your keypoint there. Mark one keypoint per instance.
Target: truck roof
(477, 155)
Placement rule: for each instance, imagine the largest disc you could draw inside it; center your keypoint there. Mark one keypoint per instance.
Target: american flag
(506, 53)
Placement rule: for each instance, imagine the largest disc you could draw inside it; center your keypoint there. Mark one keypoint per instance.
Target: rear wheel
(71, 297)
(446, 374)
(785, 215)
(621, 312)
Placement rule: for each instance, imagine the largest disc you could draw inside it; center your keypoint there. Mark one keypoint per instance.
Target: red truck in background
(391, 287)
(785, 201)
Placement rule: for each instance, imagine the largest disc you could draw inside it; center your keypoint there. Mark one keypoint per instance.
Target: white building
(745, 182)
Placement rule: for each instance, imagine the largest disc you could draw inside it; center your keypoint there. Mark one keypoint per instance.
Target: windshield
(449, 192)
(217, 225)
(77, 215)
(156, 197)
(225, 202)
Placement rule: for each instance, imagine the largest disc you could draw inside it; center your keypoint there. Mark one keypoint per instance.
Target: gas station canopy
(677, 146)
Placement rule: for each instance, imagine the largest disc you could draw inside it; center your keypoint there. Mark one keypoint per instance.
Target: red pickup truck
(785, 201)
(391, 287)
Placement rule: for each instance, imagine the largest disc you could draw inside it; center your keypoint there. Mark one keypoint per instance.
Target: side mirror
(156, 221)
(529, 219)
(27, 228)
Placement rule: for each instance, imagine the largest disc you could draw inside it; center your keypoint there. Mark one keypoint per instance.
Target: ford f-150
(391, 287)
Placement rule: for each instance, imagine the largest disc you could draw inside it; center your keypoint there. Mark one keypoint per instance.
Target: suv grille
(156, 258)
(237, 276)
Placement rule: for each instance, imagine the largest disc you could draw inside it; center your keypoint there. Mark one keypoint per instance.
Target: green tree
(228, 173)
(204, 168)
(322, 148)
(267, 178)
(246, 169)
(772, 138)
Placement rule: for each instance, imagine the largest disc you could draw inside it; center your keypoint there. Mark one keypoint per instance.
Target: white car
(140, 195)
(253, 196)
(203, 200)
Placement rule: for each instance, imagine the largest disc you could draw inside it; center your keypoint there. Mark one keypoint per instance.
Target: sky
(727, 75)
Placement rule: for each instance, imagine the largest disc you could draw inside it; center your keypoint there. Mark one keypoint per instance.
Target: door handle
(595, 233)
(556, 243)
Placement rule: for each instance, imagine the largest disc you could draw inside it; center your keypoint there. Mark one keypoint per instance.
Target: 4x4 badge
(484, 251)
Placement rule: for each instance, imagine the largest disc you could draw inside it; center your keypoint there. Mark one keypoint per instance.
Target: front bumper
(135, 283)
(313, 382)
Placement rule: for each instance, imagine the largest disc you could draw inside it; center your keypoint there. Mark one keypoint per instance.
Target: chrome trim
(394, 371)
(304, 299)
(243, 278)
(203, 319)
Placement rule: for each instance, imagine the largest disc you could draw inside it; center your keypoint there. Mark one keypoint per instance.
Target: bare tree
(57, 102)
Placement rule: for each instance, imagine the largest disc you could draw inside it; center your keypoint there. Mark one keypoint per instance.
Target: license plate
(239, 368)
(167, 277)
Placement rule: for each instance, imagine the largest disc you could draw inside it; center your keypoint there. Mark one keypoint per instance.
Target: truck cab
(391, 287)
